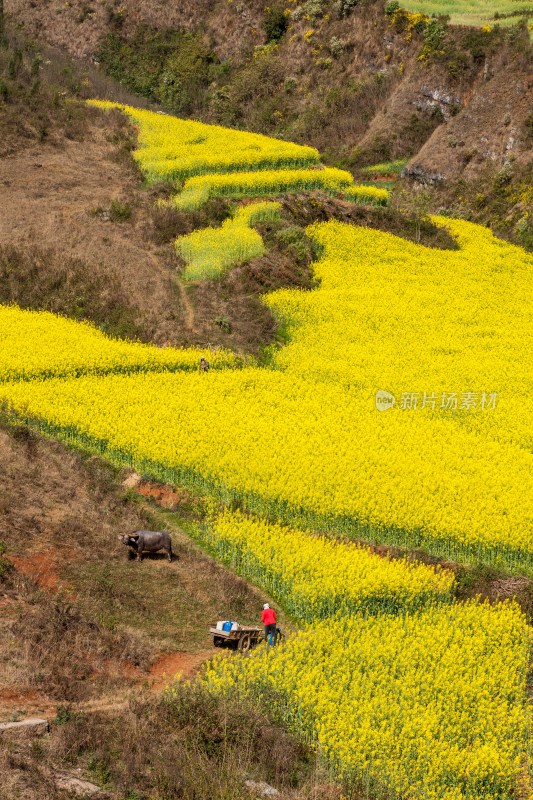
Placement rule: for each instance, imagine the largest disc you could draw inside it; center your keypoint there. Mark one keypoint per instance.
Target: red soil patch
(26, 702)
(164, 496)
(169, 665)
(119, 669)
(42, 568)
(13, 695)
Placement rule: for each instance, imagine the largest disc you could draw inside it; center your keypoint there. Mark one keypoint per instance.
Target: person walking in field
(204, 365)
(268, 618)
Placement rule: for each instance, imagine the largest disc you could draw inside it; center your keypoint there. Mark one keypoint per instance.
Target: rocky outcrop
(417, 173)
(491, 128)
(78, 787)
(438, 100)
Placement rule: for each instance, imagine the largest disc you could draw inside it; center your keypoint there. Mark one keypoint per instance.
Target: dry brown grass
(65, 655)
(188, 745)
(61, 514)
(46, 280)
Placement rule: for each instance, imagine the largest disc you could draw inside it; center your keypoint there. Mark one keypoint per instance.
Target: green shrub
(186, 74)
(275, 24)
(315, 8)
(336, 46)
(296, 242)
(4, 90)
(392, 7)
(224, 324)
(3, 563)
(63, 715)
(528, 128)
(119, 212)
(176, 69)
(345, 7)
(290, 83)
(15, 63)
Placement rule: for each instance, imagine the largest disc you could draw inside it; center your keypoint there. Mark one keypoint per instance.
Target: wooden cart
(243, 638)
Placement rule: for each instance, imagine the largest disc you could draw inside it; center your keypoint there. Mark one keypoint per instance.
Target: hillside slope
(363, 83)
(362, 78)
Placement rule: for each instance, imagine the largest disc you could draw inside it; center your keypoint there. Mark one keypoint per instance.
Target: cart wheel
(218, 641)
(245, 643)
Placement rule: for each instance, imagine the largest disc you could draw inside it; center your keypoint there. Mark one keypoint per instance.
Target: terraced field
(394, 414)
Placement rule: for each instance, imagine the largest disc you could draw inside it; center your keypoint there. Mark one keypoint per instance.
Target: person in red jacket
(268, 618)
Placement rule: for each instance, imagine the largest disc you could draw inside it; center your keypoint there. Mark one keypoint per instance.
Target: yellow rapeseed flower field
(304, 440)
(175, 149)
(316, 577)
(210, 251)
(420, 322)
(429, 706)
(38, 344)
(398, 412)
(198, 190)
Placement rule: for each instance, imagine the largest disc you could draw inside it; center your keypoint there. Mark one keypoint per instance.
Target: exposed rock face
(433, 100)
(261, 789)
(421, 175)
(489, 130)
(78, 787)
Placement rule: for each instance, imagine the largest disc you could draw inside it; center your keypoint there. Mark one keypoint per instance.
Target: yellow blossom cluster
(272, 182)
(211, 251)
(38, 344)
(369, 195)
(175, 149)
(430, 706)
(314, 576)
(478, 13)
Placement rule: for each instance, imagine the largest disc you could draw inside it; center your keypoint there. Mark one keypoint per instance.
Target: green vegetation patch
(386, 167)
(472, 12)
(172, 604)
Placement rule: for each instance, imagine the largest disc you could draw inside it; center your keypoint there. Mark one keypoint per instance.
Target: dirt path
(18, 702)
(170, 665)
(167, 668)
(188, 310)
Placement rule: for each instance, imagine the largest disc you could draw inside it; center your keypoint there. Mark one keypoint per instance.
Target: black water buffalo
(141, 542)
